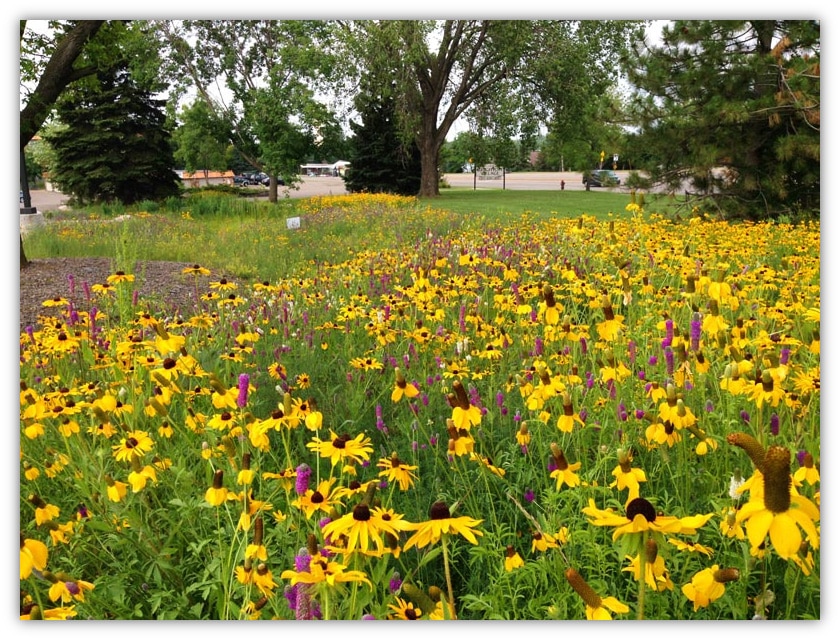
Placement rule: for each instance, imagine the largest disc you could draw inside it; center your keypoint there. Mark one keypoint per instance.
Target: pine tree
(732, 108)
(113, 144)
(380, 162)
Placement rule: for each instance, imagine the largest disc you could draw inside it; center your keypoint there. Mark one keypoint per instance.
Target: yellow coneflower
(779, 510)
(403, 388)
(563, 472)
(597, 608)
(708, 585)
(395, 470)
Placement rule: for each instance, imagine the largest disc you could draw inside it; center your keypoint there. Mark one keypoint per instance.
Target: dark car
(601, 178)
(241, 181)
(262, 178)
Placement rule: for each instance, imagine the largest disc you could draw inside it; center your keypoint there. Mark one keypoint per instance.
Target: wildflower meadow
(531, 417)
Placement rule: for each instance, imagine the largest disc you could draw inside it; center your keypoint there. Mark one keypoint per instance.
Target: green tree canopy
(201, 139)
(731, 110)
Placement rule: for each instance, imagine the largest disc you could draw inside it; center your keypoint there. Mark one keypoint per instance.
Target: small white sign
(293, 223)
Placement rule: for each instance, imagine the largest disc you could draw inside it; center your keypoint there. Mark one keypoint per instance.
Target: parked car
(241, 181)
(601, 178)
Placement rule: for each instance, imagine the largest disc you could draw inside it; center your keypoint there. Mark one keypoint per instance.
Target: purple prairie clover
(639, 413)
(30, 331)
(304, 471)
(784, 355)
(529, 495)
(462, 319)
(242, 398)
(745, 416)
(621, 411)
(538, 346)
(500, 399)
(694, 333)
(669, 333)
(669, 360)
(631, 351)
(800, 457)
(774, 424)
(71, 282)
(395, 583)
(709, 406)
(135, 298)
(653, 361)
(583, 345)
(590, 380)
(582, 414)
(368, 616)
(86, 289)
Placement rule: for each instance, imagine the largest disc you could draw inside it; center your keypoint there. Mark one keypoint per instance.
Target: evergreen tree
(732, 109)
(380, 162)
(113, 145)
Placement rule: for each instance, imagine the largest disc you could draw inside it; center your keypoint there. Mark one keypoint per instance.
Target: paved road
(324, 186)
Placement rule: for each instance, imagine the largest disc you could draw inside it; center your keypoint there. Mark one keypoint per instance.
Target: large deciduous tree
(504, 76)
(201, 140)
(732, 109)
(270, 71)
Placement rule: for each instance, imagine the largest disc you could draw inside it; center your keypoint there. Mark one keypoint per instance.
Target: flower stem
(448, 576)
(640, 612)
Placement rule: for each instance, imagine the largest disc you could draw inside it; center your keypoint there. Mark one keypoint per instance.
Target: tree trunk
(429, 178)
(58, 73)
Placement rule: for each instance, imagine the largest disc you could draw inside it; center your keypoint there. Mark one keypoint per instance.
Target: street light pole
(27, 208)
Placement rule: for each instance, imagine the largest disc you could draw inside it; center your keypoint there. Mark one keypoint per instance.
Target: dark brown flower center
(439, 511)
(641, 506)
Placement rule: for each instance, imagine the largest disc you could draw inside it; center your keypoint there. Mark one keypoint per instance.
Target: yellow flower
(33, 555)
(627, 477)
(708, 585)
(779, 510)
(641, 517)
(397, 471)
(363, 526)
(597, 608)
(216, 495)
(512, 559)
(404, 610)
(403, 388)
(323, 570)
(342, 448)
(564, 472)
(440, 523)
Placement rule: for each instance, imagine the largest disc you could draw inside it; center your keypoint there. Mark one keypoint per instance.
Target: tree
(201, 140)
(484, 69)
(270, 70)
(113, 145)
(379, 161)
(732, 110)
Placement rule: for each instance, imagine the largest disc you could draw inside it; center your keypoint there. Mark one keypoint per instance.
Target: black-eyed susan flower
(597, 608)
(642, 517)
(778, 510)
(119, 277)
(363, 529)
(404, 610)
(708, 585)
(135, 445)
(441, 523)
(342, 448)
(323, 498)
(64, 589)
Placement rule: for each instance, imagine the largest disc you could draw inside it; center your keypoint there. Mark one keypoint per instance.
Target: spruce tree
(380, 162)
(113, 145)
(732, 109)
